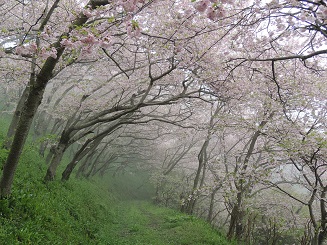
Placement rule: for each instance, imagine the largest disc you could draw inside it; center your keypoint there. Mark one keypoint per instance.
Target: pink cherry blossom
(26, 49)
(67, 43)
(202, 5)
(19, 50)
(45, 53)
(129, 6)
(32, 48)
(53, 53)
(105, 42)
(221, 13)
(212, 14)
(133, 29)
(90, 39)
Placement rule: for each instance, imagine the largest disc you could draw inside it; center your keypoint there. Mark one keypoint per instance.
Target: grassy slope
(81, 212)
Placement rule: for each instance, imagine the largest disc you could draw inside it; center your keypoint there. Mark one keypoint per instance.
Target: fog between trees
(222, 103)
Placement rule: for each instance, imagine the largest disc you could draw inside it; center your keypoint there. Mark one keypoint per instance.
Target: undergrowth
(52, 213)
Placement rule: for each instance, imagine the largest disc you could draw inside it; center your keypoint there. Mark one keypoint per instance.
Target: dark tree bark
(103, 168)
(105, 163)
(89, 145)
(236, 217)
(56, 158)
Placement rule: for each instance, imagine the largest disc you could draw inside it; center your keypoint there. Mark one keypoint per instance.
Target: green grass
(139, 223)
(53, 213)
(91, 212)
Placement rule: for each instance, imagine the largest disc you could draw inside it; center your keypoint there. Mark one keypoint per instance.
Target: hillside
(90, 212)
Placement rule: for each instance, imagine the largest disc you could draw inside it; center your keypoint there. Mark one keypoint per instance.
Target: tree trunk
(103, 169)
(64, 139)
(212, 202)
(235, 226)
(105, 165)
(78, 156)
(323, 229)
(321, 237)
(57, 156)
(89, 146)
(202, 158)
(89, 174)
(43, 147)
(25, 121)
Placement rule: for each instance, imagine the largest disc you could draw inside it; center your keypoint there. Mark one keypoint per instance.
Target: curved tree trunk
(198, 181)
(89, 146)
(92, 169)
(50, 155)
(55, 161)
(106, 163)
(82, 152)
(57, 122)
(102, 170)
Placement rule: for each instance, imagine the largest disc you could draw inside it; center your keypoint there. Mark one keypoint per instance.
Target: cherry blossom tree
(39, 75)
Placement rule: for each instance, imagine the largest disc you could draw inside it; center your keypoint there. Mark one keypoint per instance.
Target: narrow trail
(136, 222)
(141, 223)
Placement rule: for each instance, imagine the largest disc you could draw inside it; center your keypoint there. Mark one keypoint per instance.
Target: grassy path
(141, 223)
